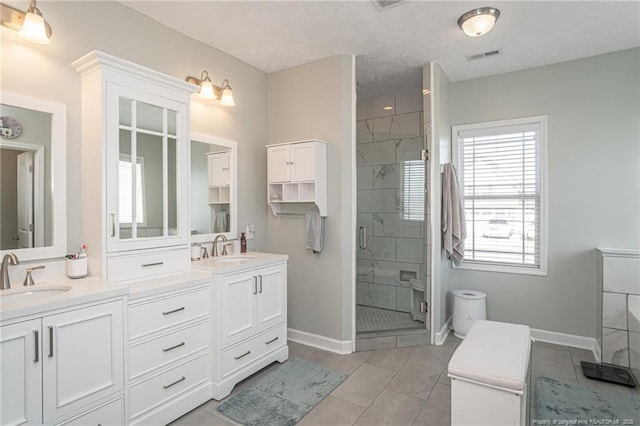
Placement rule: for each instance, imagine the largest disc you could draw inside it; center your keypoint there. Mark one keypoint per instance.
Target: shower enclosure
(391, 253)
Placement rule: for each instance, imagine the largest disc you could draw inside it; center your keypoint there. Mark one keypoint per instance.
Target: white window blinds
(413, 190)
(501, 176)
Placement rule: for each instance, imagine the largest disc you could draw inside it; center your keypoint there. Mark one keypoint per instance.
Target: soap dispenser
(243, 243)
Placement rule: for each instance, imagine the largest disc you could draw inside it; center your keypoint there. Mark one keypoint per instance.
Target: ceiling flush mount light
(208, 90)
(30, 24)
(478, 22)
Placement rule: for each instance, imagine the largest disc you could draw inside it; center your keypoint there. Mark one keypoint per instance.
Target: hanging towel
(454, 226)
(315, 231)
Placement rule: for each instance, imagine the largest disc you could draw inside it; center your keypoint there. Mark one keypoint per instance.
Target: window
(124, 190)
(413, 190)
(502, 178)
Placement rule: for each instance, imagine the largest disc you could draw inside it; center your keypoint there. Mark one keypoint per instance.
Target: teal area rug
(563, 403)
(283, 396)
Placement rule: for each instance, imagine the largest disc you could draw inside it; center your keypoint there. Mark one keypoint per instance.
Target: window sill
(471, 266)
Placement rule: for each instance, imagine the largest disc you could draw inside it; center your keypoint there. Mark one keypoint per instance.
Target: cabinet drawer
(162, 350)
(147, 265)
(164, 386)
(111, 413)
(159, 314)
(240, 355)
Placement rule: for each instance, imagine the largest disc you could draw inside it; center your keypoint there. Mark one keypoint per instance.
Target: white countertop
(237, 262)
(88, 290)
(84, 290)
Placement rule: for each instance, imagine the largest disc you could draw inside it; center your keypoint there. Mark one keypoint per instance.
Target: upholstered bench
(488, 375)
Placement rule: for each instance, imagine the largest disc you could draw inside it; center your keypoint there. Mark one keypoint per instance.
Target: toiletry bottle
(243, 243)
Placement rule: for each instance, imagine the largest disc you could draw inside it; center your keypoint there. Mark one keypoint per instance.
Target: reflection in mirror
(32, 164)
(213, 188)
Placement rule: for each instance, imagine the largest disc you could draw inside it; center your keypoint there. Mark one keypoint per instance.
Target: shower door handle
(362, 237)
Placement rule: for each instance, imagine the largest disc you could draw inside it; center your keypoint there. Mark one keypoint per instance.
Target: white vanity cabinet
(58, 365)
(249, 321)
(297, 173)
(135, 138)
(169, 353)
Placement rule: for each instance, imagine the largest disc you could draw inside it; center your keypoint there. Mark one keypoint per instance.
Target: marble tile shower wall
(395, 246)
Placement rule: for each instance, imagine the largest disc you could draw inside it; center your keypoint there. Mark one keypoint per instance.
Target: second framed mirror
(214, 188)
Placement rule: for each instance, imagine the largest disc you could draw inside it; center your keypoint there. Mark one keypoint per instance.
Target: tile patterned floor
(405, 386)
(369, 319)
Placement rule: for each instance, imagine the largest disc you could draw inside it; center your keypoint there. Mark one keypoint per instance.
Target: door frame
(38, 185)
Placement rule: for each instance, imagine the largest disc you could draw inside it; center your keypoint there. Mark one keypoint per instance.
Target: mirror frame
(233, 204)
(58, 176)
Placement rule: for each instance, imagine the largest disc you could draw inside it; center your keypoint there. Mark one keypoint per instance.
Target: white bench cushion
(493, 353)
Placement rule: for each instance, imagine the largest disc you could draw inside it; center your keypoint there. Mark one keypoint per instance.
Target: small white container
(196, 252)
(468, 306)
(77, 268)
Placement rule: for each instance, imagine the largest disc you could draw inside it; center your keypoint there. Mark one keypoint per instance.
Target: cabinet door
(146, 176)
(218, 169)
(83, 357)
(272, 296)
(303, 162)
(21, 368)
(278, 163)
(238, 294)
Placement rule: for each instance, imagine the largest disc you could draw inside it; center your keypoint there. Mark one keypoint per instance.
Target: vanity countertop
(22, 301)
(237, 262)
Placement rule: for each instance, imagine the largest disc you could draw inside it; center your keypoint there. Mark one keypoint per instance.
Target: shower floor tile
(370, 319)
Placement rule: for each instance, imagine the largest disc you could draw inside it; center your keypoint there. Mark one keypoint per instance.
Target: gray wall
(592, 107)
(80, 27)
(317, 101)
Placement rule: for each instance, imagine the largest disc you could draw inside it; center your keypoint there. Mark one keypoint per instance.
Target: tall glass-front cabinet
(135, 138)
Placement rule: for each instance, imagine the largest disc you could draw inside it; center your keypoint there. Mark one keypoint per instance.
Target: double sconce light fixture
(30, 24)
(478, 22)
(208, 90)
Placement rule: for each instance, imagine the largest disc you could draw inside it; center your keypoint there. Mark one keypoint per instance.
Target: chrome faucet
(214, 249)
(8, 259)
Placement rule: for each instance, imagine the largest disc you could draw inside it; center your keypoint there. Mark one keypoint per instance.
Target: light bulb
(227, 97)
(33, 29)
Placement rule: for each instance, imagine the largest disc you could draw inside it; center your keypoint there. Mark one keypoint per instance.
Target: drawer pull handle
(173, 347)
(182, 379)
(255, 285)
(271, 341)
(242, 356)
(36, 338)
(260, 288)
(174, 311)
(146, 265)
(50, 342)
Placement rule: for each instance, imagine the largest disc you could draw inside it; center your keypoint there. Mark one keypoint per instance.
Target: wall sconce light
(208, 90)
(478, 22)
(30, 24)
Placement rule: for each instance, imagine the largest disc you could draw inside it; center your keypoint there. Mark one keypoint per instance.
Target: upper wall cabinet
(297, 175)
(135, 139)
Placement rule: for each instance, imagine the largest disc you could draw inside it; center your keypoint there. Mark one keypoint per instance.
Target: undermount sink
(33, 293)
(232, 260)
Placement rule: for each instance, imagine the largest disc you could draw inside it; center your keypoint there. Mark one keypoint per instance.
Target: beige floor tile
(391, 359)
(297, 350)
(581, 355)
(346, 364)
(332, 411)
(364, 385)
(200, 416)
(437, 410)
(554, 363)
(416, 378)
(391, 408)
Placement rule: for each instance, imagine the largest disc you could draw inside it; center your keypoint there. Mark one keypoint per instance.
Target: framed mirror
(33, 183)
(213, 187)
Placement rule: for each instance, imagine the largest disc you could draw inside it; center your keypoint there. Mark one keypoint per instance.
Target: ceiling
(393, 44)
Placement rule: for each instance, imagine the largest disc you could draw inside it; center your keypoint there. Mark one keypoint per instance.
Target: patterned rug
(563, 403)
(283, 396)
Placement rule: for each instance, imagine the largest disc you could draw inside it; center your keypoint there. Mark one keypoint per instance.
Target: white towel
(454, 225)
(315, 232)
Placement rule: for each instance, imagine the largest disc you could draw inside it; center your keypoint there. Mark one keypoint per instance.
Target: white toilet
(416, 296)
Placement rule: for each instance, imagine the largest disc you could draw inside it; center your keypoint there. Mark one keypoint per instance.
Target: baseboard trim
(441, 335)
(557, 338)
(341, 347)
